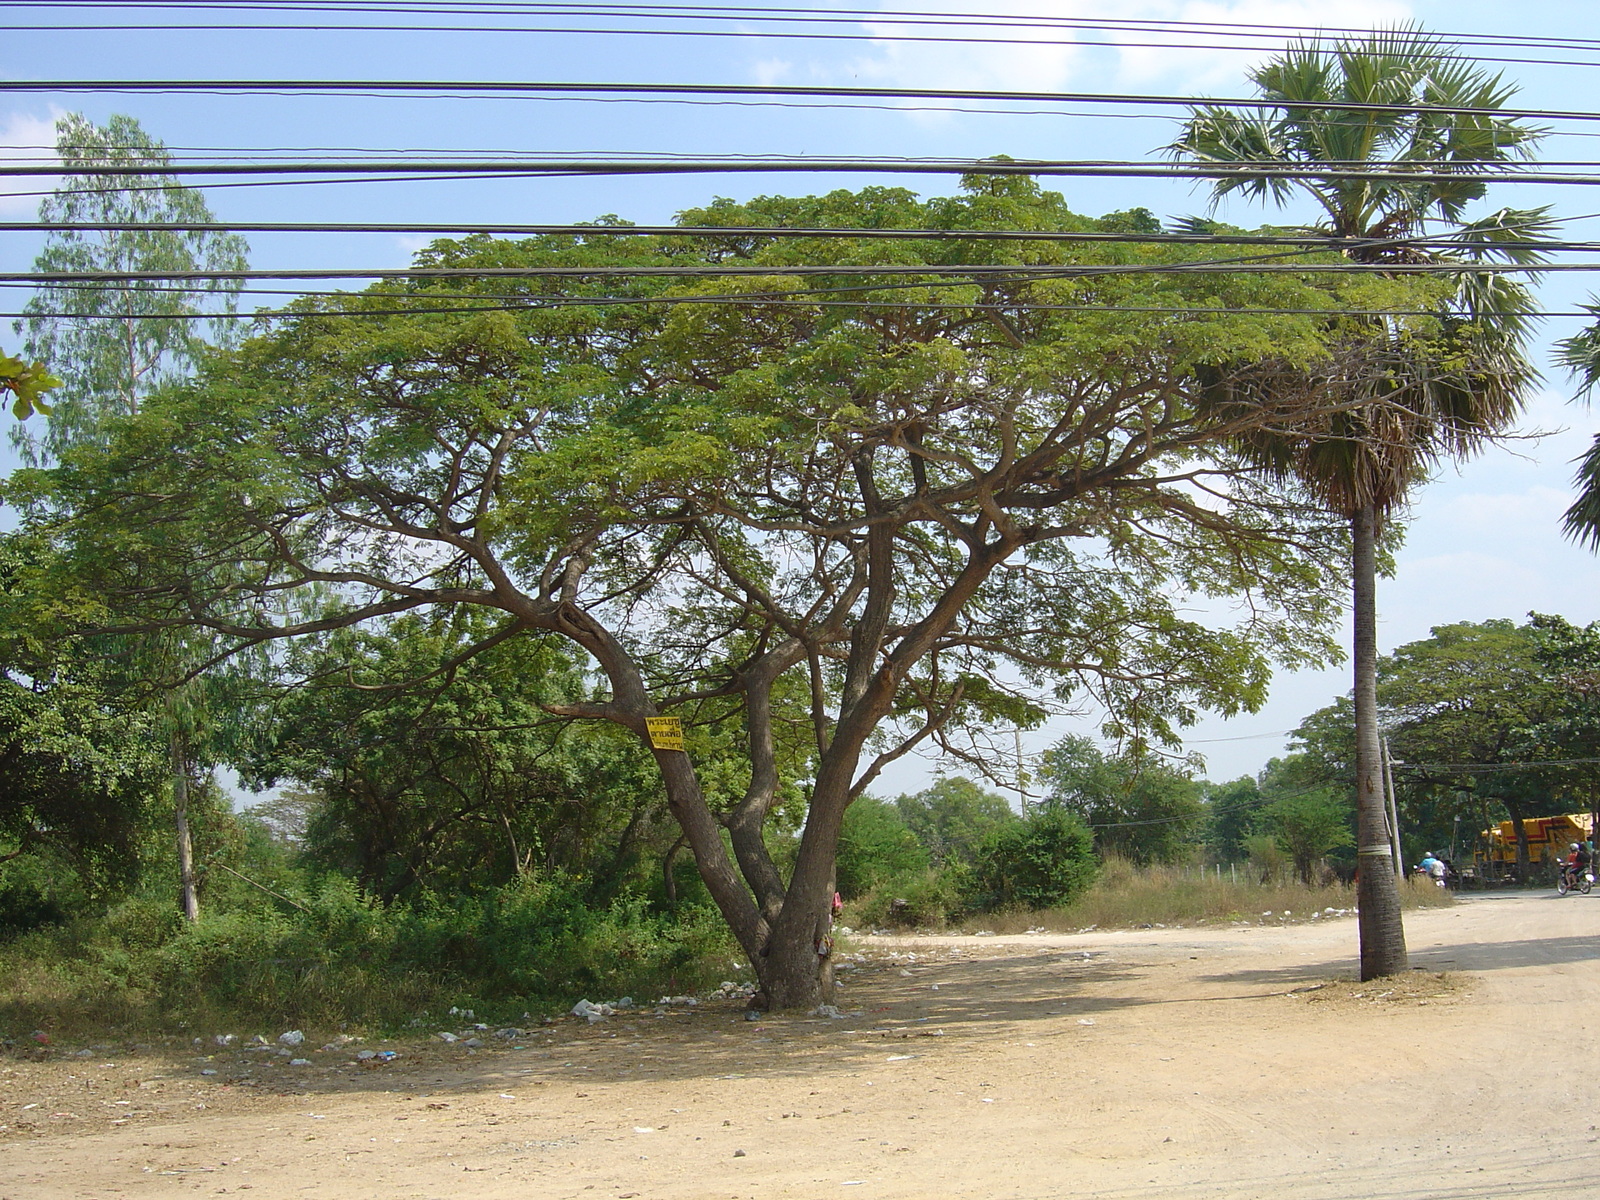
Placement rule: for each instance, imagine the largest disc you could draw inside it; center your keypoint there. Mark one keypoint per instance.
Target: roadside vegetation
(569, 631)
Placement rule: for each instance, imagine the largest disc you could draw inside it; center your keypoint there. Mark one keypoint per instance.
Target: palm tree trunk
(1383, 938)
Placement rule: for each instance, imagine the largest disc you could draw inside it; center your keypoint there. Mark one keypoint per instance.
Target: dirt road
(1158, 1063)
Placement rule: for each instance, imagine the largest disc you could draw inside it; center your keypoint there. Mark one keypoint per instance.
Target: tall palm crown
(1372, 453)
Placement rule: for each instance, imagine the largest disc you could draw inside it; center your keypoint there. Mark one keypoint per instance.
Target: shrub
(874, 846)
(343, 957)
(1043, 861)
(920, 900)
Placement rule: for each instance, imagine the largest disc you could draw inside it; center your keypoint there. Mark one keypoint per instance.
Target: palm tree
(1408, 406)
(1580, 354)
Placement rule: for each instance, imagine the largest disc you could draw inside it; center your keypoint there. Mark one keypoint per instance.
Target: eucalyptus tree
(113, 343)
(1389, 136)
(845, 517)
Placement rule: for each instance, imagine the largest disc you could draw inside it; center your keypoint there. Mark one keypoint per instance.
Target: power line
(1490, 768)
(1421, 170)
(1227, 35)
(1262, 42)
(803, 299)
(1048, 168)
(262, 86)
(1005, 271)
(589, 230)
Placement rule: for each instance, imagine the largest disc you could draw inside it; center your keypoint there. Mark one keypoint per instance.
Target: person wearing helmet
(1578, 861)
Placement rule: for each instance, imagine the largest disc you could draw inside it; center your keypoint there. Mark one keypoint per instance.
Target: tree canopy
(839, 519)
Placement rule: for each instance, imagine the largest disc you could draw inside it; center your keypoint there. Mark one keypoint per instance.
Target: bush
(1043, 861)
(24, 907)
(343, 957)
(875, 845)
(916, 900)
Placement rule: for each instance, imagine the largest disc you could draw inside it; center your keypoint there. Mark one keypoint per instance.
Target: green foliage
(1308, 825)
(1269, 861)
(951, 817)
(342, 957)
(1041, 861)
(109, 365)
(875, 846)
(425, 779)
(1232, 810)
(925, 899)
(1462, 707)
(1140, 807)
(27, 906)
(79, 759)
(1472, 694)
(28, 382)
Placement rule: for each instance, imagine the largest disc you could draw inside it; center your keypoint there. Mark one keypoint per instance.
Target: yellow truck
(1548, 839)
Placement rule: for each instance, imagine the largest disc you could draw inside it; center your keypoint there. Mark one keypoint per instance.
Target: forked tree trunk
(1383, 938)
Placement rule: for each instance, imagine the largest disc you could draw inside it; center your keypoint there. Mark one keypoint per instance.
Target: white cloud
(1118, 60)
(25, 138)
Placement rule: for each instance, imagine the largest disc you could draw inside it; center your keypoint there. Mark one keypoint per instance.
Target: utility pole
(1394, 810)
(1022, 774)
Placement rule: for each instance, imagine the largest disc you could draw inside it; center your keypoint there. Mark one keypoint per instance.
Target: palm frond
(1582, 521)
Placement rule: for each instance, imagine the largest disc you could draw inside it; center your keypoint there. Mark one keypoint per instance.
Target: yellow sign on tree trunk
(666, 733)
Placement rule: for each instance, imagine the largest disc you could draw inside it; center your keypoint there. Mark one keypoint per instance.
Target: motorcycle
(1573, 878)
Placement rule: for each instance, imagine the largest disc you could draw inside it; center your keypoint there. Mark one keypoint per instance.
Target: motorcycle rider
(1578, 861)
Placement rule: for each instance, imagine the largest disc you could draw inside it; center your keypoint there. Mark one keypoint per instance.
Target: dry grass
(1126, 897)
(1413, 987)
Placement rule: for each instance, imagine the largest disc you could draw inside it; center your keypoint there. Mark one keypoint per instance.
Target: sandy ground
(1165, 1062)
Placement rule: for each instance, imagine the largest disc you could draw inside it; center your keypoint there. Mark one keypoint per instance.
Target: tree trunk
(669, 881)
(1383, 939)
(1524, 864)
(189, 898)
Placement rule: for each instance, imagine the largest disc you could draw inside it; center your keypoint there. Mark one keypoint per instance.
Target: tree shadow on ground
(1458, 956)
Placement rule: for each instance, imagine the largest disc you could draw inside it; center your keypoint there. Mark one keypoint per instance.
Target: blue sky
(1483, 539)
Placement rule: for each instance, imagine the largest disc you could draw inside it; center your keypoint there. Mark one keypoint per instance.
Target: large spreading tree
(840, 517)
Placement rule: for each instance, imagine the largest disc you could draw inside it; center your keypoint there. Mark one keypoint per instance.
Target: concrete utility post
(1394, 809)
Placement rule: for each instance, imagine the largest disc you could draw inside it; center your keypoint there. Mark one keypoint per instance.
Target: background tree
(951, 817)
(1462, 705)
(459, 782)
(1231, 811)
(1308, 824)
(1570, 655)
(77, 767)
(1368, 455)
(1044, 860)
(1138, 805)
(108, 365)
(130, 338)
(945, 507)
(875, 847)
